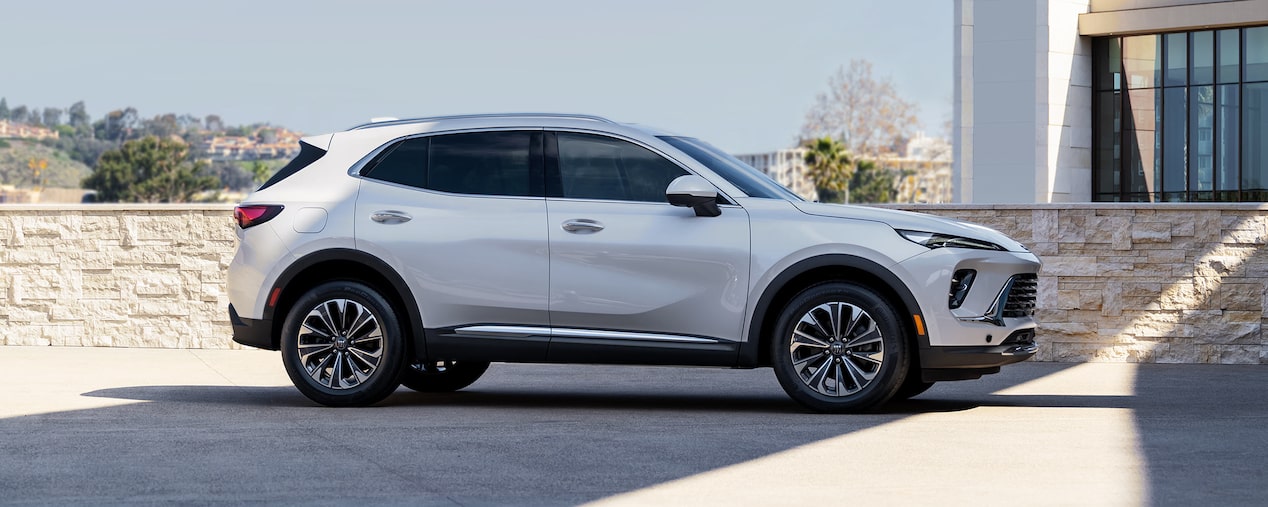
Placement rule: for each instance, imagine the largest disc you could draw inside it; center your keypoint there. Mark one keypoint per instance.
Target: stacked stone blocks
(134, 276)
(1174, 283)
(1164, 283)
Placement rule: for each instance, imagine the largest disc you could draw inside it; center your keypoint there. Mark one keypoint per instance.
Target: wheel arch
(755, 351)
(352, 265)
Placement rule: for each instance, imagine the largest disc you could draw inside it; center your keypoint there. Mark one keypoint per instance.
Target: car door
(463, 219)
(633, 278)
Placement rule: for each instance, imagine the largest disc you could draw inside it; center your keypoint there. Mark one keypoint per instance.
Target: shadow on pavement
(1203, 433)
(562, 399)
(523, 435)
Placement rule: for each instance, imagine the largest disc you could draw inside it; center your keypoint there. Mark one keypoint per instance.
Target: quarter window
(598, 167)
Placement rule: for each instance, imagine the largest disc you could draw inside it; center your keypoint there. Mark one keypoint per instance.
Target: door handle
(582, 226)
(390, 217)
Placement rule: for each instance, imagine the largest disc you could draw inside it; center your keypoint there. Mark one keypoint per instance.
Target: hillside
(61, 171)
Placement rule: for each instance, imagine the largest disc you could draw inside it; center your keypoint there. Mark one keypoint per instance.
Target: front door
(633, 278)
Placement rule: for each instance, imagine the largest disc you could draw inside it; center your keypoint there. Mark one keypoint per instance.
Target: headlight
(936, 240)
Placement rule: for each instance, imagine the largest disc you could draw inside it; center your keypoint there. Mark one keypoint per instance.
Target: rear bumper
(256, 333)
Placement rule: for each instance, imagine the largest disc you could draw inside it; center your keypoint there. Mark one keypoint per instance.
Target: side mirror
(691, 191)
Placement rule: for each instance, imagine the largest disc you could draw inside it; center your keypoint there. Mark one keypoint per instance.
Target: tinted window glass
(488, 163)
(307, 155)
(597, 167)
(749, 180)
(406, 163)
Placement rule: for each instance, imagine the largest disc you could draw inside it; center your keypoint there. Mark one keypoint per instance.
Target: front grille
(1022, 296)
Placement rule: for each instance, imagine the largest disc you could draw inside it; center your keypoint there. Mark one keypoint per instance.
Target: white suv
(416, 252)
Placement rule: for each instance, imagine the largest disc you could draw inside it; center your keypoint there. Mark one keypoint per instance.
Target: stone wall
(106, 275)
(1179, 283)
(1169, 283)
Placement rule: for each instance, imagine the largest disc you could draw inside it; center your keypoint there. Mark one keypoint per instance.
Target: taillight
(256, 214)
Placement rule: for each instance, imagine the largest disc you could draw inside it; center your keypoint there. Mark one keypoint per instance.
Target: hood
(912, 221)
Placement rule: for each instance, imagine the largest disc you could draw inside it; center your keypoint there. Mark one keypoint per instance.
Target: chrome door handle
(582, 226)
(390, 217)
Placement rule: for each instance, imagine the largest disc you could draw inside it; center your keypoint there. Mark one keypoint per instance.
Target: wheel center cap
(341, 342)
(837, 348)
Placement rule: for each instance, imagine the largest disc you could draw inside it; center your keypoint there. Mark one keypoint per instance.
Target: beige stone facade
(135, 276)
(1182, 283)
(1179, 283)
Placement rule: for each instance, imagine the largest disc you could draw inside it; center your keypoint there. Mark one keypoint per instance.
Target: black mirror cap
(705, 206)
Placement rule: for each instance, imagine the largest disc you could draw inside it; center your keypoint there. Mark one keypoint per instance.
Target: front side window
(479, 163)
(599, 167)
(752, 182)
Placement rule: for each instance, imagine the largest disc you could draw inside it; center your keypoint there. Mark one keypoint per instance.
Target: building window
(1181, 116)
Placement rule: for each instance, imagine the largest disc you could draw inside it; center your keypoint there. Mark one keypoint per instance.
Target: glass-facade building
(1181, 116)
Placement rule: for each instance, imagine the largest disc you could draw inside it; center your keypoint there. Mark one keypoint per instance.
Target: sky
(740, 74)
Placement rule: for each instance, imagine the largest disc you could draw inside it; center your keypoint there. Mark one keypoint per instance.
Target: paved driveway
(114, 426)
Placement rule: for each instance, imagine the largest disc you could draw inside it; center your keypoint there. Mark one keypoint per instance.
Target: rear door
(633, 278)
(463, 219)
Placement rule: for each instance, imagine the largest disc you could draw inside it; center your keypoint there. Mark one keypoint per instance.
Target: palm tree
(830, 167)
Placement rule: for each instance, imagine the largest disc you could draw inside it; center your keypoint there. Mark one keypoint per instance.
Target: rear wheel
(442, 376)
(342, 345)
(840, 348)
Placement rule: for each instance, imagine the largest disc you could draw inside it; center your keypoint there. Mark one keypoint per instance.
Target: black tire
(353, 344)
(840, 362)
(442, 376)
(912, 386)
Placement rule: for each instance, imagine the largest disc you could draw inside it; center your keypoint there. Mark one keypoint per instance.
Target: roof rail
(483, 115)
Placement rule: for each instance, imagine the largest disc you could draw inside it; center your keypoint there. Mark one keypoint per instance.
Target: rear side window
(598, 167)
(307, 155)
(486, 163)
(405, 163)
(480, 163)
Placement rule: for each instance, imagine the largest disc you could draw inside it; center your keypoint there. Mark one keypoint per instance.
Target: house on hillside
(11, 130)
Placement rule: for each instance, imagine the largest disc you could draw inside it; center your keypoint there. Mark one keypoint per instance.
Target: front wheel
(840, 347)
(342, 345)
(442, 376)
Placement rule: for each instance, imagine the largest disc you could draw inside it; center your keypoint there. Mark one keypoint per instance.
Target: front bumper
(965, 363)
(256, 333)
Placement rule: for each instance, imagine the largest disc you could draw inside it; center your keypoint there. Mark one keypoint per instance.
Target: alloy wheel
(836, 349)
(340, 344)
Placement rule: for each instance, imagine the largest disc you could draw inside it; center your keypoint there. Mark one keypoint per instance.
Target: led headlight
(936, 240)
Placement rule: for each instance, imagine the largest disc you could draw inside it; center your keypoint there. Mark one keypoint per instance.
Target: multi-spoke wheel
(839, 348)
(342, 345)
(442, 376)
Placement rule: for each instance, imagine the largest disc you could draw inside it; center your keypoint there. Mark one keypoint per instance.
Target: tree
(117, 126)
(230, 175)
(260, 171)
(18, 114)
(4, 109)
(165, 125)
(829, 167)
(149, 169)
(214, 123)
(871, 183)
(52, 117)
(866, 114)
(77, 117)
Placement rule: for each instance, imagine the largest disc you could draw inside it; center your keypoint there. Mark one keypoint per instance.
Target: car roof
(545, 119)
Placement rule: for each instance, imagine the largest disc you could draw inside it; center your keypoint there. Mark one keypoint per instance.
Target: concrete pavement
(115, 426)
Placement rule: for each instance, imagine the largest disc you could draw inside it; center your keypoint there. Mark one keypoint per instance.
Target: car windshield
(749, 180)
